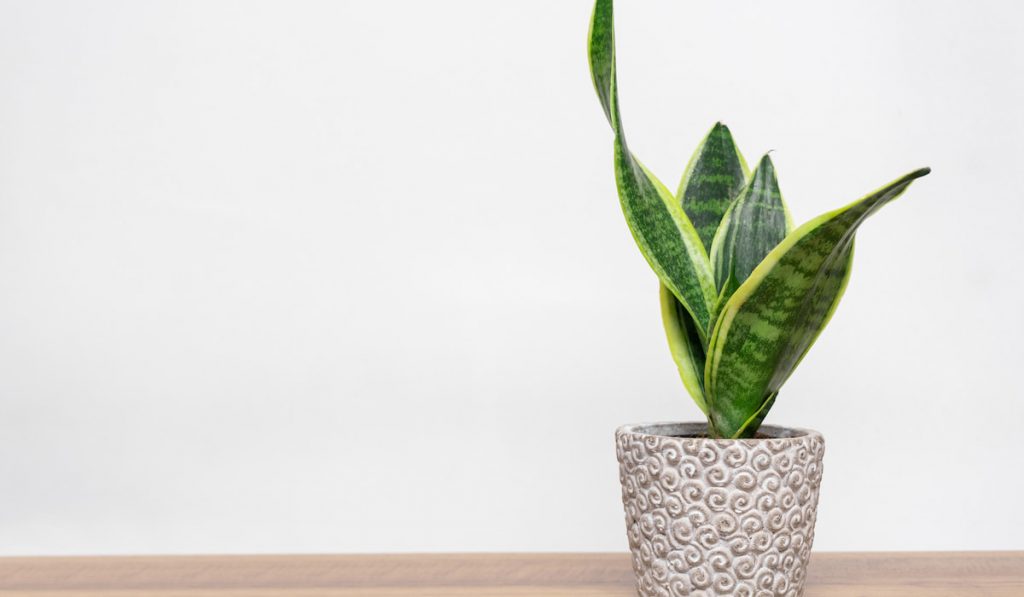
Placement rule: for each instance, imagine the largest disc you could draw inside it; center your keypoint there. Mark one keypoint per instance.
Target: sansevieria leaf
(714, 176)
(658, 223)
(755, 223)
(685, 344)
(775, 316)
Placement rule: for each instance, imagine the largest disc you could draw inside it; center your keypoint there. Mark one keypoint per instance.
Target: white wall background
(352, 276)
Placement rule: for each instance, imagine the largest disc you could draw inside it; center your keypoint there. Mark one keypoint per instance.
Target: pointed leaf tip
(714, 175)
(911, 176)
(754, 224)
(766, 165)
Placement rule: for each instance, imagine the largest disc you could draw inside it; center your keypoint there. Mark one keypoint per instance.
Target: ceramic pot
(719, 516)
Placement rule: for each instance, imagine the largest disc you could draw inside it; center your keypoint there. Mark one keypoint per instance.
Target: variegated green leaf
(658, 223)
(757, 221)
(685, 344)
(775, 316)
(714, 176)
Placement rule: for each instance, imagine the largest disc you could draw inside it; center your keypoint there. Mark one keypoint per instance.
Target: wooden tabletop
(992, 574)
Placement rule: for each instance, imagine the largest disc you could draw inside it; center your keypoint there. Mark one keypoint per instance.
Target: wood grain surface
(968, 574)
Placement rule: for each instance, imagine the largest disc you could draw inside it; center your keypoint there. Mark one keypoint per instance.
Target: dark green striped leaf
(715, 175)
(775, 316)
(658, 223)
(757, 221)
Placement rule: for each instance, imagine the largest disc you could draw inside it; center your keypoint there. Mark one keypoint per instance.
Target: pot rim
(690, 429)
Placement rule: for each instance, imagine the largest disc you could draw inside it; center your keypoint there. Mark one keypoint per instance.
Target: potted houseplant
(726, 507)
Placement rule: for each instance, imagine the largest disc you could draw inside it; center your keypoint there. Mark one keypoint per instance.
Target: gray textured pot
(719, 517)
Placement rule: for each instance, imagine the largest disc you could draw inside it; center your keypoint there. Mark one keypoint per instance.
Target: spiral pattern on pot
(711, 517)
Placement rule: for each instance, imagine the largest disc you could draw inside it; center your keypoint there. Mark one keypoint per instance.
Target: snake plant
(743, 294)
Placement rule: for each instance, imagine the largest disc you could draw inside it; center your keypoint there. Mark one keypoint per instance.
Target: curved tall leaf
(714, 176)
(658, 223)
(775, 316)
(756, 222)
